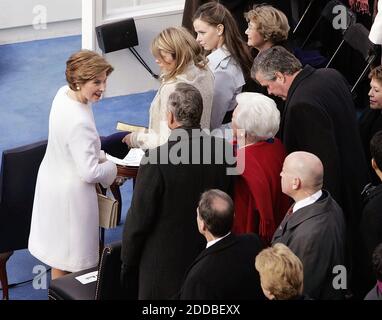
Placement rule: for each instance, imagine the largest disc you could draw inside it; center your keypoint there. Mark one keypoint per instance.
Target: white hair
(257, 114)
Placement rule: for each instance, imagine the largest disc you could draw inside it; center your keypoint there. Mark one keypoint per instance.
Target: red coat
(260, 204)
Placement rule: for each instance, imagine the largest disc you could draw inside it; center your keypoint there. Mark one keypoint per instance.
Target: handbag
(108, 210)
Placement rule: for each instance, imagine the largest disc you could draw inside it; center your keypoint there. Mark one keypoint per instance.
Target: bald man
(225, 269)
(314, 227)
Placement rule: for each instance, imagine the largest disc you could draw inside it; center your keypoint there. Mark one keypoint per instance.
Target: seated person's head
(375, 92)
(281, 272)
(267, 26)
(185, 107)
(376, 151)
(174, 49)
(256, 118)
(302, 175)
(215, 213)
(377, 262)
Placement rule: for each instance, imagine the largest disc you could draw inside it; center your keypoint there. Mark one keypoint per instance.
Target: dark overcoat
(316, 234)
(225, 271)
(320, 118)
(371, 234)
(160, 237)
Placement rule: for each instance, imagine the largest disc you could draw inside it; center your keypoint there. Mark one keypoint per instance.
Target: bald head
(304, 171)
(216, 210)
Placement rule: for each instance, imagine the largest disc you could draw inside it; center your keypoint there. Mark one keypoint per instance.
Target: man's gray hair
(186, 104)
(275, 59)
(257, 114)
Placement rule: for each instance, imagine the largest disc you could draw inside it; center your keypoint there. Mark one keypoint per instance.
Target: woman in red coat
(260, 204)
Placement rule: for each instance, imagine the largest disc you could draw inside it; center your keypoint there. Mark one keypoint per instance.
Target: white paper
(133, 158)
(88, 277)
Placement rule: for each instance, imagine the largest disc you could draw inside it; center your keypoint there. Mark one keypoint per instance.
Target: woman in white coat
(375, 34)
(64, 230)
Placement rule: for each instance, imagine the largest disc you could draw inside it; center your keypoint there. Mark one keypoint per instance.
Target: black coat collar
(301, 76)
(222, 244)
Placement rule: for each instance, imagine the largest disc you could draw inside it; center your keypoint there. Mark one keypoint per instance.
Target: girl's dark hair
(214, 14)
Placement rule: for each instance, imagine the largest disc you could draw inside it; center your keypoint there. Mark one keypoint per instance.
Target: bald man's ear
(374, 164)
(201, 224)
(296, 184)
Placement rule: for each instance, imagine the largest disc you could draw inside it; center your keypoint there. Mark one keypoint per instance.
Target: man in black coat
(225, 269)
(319, 117)
(314, 228)
(160, 237)
(371, 223)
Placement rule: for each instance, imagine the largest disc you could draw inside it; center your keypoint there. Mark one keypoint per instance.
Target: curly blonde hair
(281, 272)
(182, 46)
(376, 73)
(271, 23)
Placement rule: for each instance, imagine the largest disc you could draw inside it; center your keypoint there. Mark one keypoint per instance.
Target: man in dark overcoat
(314, 227)
(371, 222)
(160, 237)
(319, 117)
(225, 269)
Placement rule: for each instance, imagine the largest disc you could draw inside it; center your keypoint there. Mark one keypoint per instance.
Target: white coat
(375, 34)
(64, 230)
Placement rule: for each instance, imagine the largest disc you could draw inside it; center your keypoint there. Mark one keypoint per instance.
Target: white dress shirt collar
(307, 201)
(211, 243)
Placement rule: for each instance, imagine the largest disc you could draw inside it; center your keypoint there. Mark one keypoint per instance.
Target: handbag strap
(98, 188)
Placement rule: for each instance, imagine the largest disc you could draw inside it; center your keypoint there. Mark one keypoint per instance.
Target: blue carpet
(31, 73)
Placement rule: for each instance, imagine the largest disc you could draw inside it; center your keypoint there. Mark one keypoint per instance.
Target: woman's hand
(102, 156)
(119, 181)
(127, 139)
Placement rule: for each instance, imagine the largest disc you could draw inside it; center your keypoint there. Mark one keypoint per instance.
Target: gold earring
(78, 87)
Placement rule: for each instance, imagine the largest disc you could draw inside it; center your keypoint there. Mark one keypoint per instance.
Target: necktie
(290, 210)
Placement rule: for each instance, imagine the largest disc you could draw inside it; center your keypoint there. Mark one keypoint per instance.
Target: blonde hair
(376, 73)
(281, 271)
(178, 42)
(83, 66)
(271, 23)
